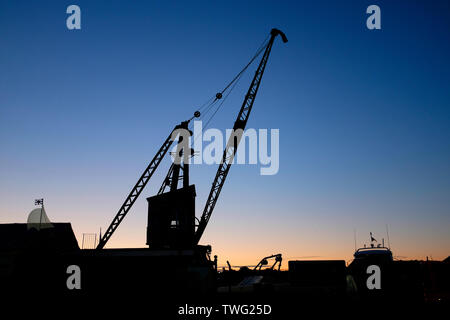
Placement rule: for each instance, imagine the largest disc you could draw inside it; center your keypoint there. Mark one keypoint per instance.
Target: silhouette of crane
(172, 213)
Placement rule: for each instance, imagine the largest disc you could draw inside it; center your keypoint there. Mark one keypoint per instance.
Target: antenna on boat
(387, 232)
(372, 240)
(354, 237)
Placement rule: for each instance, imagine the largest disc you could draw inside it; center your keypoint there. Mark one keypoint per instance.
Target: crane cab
(171, 219)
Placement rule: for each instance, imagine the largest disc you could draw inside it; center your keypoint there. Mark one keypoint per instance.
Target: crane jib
(233, 142)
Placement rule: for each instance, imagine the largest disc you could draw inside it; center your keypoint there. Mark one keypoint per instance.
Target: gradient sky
(364, 119)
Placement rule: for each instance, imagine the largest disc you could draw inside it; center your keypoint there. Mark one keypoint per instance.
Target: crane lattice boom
(234, 139)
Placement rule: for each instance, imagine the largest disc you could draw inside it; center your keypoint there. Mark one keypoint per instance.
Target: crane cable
(221, 103)
(208, 105)
(236, 80)
(258, 52)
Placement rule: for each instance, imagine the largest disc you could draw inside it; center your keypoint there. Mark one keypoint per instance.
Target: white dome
(38, 219)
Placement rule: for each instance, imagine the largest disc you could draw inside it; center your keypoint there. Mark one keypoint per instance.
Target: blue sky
(363, 116)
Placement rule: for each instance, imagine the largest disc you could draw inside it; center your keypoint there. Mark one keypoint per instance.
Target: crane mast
(234, 139)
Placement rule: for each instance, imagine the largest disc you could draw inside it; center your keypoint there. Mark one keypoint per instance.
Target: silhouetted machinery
(171, 214)
(277, 257)
(171, 219)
